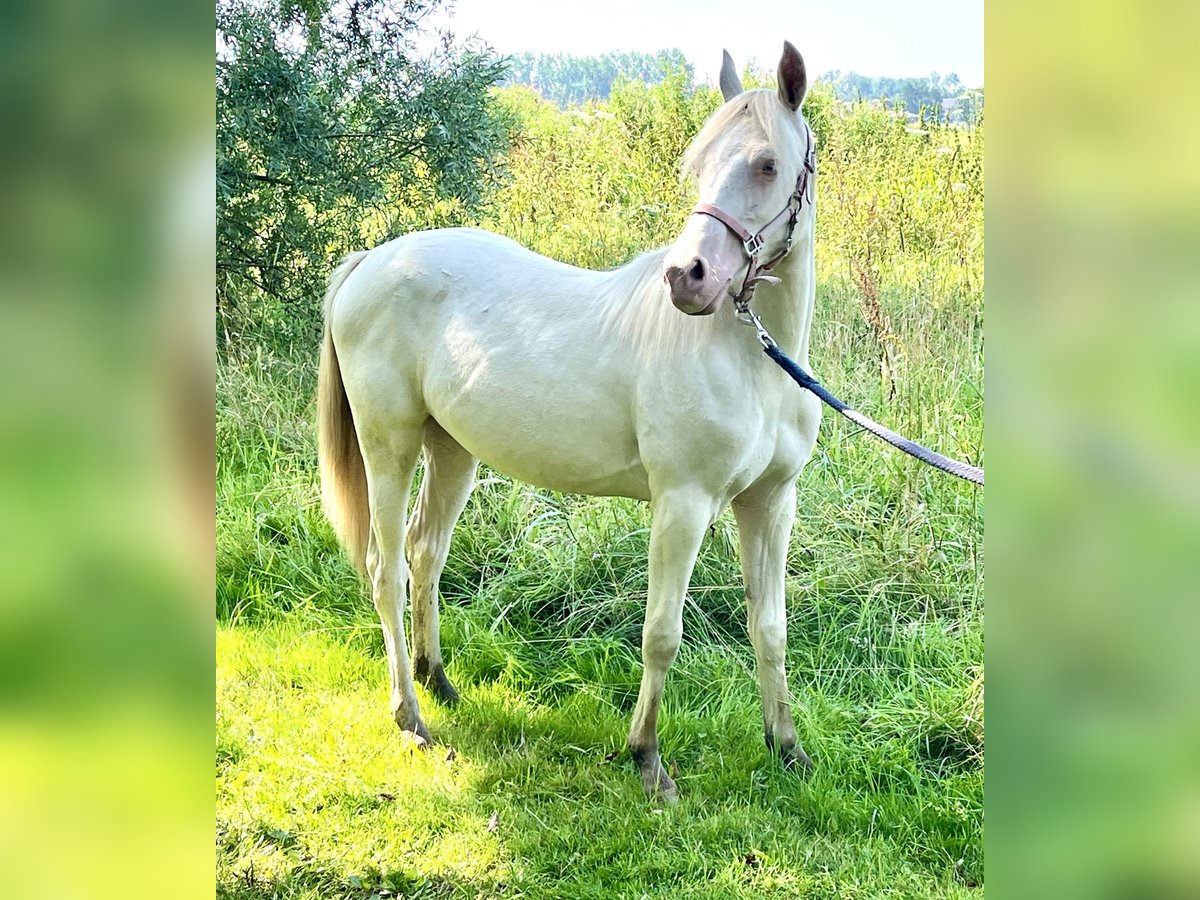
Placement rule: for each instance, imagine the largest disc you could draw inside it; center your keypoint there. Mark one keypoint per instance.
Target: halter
(754, 243)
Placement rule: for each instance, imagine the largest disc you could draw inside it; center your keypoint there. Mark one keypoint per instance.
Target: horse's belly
(564, 437)
(562, 458)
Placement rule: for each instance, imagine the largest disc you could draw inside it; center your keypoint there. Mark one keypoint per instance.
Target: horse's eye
(768, 168)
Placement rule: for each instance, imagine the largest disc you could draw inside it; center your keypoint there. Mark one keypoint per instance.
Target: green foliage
(572, 80)
(568, 200)
(318, 797)
(333, 135)
(906, 201)
(544, 594)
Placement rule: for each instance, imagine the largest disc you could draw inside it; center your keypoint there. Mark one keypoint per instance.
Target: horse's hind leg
(449, 478)
(390, 458)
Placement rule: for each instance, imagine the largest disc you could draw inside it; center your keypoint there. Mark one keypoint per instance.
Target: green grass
(544, 594)
(318, 796)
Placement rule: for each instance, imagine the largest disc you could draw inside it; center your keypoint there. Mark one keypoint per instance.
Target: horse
(637, 382)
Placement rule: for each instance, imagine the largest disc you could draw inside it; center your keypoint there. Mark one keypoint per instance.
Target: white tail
(343, 477)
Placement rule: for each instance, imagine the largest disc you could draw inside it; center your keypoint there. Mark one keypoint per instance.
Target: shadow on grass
(315, 878)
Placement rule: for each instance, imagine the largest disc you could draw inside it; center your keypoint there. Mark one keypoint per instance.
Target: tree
(332, 134)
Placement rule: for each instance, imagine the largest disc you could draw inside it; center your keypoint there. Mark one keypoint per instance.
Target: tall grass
(543, 594)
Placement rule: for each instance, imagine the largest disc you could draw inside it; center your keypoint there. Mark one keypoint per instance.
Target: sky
(899, 38)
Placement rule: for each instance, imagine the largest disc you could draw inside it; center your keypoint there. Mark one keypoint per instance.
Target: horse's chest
(727, 447)
(773, 445)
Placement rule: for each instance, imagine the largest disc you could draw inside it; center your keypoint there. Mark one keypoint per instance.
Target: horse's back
(463, 279)
(426, 263)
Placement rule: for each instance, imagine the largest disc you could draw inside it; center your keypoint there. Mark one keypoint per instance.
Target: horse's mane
(637, 307)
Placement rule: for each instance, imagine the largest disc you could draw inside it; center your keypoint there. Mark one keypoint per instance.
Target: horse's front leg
(680, 519)
(765, 515)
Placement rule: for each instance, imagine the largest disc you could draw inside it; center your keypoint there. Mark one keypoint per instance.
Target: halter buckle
(753, 245)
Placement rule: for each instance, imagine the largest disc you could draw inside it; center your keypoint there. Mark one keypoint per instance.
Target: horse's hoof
(660, 786)
(419, 736)
(413, 729)
(796, 760)
(655, 781)
(435, 681)
(790, 753)
(439, 685)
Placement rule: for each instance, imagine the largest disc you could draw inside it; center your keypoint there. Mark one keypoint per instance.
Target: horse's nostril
(696, 272)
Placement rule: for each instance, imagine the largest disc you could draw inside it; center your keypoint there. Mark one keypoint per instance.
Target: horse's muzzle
(692, 288)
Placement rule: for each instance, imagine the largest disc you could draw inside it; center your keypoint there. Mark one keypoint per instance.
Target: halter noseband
(754, 243)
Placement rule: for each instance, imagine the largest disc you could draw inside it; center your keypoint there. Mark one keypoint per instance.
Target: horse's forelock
(782, 128)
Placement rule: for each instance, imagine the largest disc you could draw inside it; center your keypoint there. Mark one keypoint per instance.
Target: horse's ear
(793, 79)
(731, 85)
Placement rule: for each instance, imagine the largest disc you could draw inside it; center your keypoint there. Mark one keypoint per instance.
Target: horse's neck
(636, 306)
(786, 309)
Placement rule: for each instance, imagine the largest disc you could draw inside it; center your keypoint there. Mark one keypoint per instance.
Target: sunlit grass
(317, 793)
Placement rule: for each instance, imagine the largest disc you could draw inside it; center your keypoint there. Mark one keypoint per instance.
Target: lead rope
(974, 474)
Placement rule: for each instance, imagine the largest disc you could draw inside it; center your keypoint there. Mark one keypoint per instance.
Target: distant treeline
(573, 80)
(933, 92)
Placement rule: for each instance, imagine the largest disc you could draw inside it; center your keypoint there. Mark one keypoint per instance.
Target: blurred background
(1093, 217)
(107, 287)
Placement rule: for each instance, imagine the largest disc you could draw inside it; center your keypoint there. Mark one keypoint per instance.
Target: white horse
(637, 382)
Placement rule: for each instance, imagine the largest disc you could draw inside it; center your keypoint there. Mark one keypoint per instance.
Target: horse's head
(749, 163)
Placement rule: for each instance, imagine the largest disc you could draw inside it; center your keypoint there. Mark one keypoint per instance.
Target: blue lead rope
(946, 464)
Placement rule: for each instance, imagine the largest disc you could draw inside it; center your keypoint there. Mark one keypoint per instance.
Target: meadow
(529, 792)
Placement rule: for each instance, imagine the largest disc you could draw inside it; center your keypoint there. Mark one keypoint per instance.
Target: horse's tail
(343, 476)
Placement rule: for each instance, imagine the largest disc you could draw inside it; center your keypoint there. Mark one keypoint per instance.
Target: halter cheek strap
(753, 244)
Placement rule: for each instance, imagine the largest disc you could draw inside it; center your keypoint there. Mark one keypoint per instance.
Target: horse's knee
(389, 578)
(425, 552)
(389, 585)
(773, 635)
(769, 636)
(660, 644)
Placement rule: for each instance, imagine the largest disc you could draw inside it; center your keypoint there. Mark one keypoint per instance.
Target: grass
(319, 797)
(529, 791)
